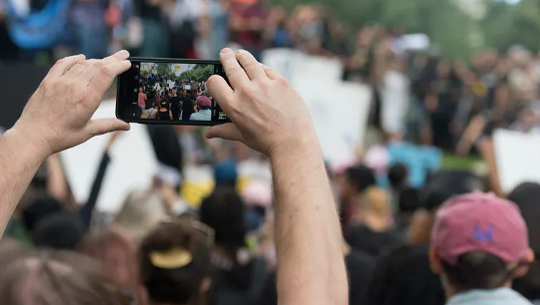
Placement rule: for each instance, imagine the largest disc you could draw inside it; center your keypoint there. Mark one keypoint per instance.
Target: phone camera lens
(136, 77)
(136, 66)
(135, 90)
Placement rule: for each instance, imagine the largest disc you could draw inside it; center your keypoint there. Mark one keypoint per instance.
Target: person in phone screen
(202, 108)
(164, 113)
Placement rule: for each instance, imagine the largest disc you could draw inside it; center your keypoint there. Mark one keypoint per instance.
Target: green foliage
(198, 73)
(443, 21)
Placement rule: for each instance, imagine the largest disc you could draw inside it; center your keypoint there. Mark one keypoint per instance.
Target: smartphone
(169, 91)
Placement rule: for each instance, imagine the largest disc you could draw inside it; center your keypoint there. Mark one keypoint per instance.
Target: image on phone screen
(169, 93)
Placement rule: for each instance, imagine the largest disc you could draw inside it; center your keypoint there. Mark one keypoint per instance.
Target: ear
(205, 285)
(527, 259)
(435, 262)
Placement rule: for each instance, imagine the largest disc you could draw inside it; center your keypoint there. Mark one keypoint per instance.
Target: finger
(236, 75)
(271, 73)
(63, 65)
(103, 126)
(79, 68)
(250, 65)
(98, 66)
(103, 80)
(226, 131)
(118, 56)
(220, 91)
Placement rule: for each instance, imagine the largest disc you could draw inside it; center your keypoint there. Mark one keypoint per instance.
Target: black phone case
(175, 122)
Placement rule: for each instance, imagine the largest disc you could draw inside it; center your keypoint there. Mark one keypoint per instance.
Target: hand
(267, 113)
(58, 115)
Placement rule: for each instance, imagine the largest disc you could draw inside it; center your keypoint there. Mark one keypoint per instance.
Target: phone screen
(159, 91)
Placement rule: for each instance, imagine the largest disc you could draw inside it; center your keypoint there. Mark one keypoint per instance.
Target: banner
(517, 157)
(133, 164)
(339, 109)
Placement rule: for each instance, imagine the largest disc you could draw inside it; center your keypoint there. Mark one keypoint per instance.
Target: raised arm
(73, 87)
(269, 116)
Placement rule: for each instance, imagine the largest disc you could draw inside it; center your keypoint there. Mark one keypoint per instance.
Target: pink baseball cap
(479, 222)
(204, 101)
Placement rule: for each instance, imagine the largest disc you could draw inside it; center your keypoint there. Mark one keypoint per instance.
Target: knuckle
(59, 62)
(105, 71)
(283, 82)
(232, 71)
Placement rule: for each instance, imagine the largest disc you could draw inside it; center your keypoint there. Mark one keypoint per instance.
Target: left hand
(59, 114)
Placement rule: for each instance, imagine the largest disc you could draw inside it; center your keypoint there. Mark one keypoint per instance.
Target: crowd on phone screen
(167, 99)
(158, 250)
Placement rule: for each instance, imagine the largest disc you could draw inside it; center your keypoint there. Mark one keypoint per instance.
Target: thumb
(103, 126)
(226, 131)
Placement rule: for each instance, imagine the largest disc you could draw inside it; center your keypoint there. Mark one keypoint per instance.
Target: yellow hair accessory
(171, 259)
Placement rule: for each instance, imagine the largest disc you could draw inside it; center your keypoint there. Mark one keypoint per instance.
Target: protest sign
(133, 164)
(517, 158)
(339, 113)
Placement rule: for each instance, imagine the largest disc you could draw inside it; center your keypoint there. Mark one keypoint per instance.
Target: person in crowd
(188, 105)
(174, 263)
(31, 276)
(164, 112)
(203, 109)
(116, 253)
(239, 276)
(24, 147)
(142, 98)
(526, 197)
(174, 100)
(408, 204)
(61, 230)
(479, 246)
(372, 230)
(140, 213)
(354, 181)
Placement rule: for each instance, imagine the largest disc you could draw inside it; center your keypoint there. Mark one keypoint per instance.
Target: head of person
(479, 241)
(204, 102)
(39, 209)
(60, 230)
(357, 179)
(141, 89)
(526, 196)
(226, 173)
(164, 103)
(141, 212)
(34, 277)
(444, 69)
(374, 209)
(526, 118)
(224, 212)
(174, 263)
(116, 254)
(423, 219)
(397, 175)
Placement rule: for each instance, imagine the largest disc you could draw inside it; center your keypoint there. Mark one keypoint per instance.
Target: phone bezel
(130, 82)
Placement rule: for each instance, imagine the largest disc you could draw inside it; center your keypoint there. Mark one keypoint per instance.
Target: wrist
(301, 147)
(25, 140)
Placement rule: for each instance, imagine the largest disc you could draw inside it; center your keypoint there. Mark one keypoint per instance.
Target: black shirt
(374, 243)
(359, 267)
(403, 276)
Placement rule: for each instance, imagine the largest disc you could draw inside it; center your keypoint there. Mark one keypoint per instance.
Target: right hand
(267, 113)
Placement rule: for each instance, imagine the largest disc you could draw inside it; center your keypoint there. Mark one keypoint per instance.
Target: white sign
(517, 158)
(133, 164)
(339, 112)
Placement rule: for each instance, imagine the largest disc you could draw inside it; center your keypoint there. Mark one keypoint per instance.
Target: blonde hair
(375, 201)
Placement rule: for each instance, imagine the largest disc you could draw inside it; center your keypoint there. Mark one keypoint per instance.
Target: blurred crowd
(158, 249)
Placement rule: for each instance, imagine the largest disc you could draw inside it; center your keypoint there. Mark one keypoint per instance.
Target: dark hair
(39, 209)
(409, 200)
(62, 230)
(526, 196)
(477, 270)
(33, 277)
(434, 198)
(178, 285)
(361, 176)
(397, 175)
(224, 211)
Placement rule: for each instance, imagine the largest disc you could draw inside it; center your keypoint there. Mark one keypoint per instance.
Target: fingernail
(226, 51)
(241, 52)
(123, 53)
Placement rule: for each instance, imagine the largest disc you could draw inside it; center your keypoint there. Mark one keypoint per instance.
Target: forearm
(308, 236)
(19, 159)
